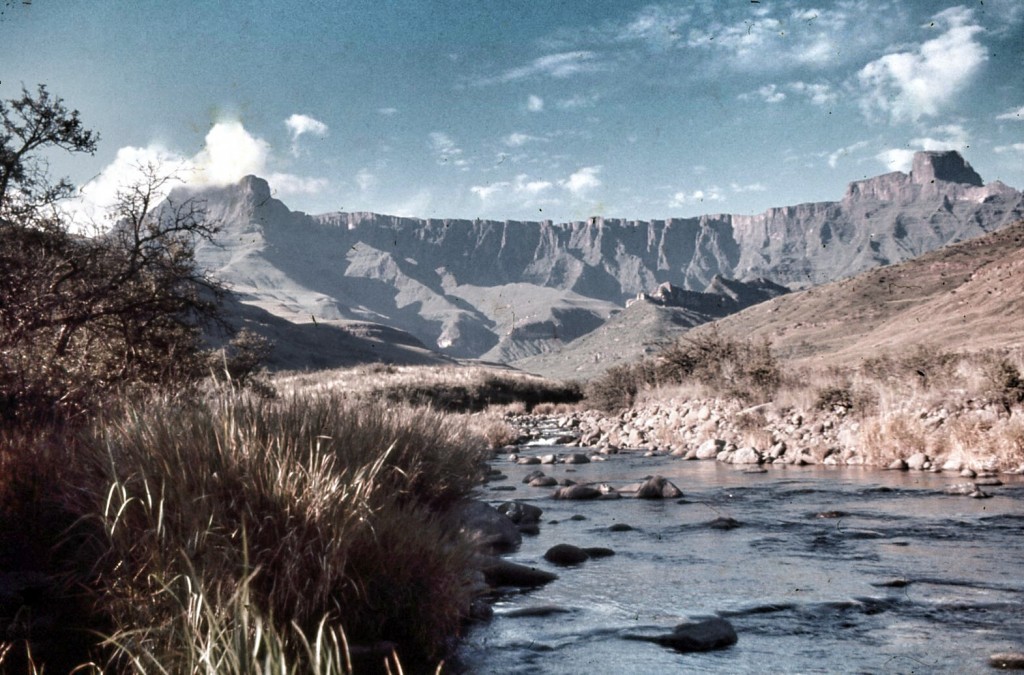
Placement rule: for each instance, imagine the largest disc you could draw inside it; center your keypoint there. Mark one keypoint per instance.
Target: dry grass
(326, 515)
(452, 388)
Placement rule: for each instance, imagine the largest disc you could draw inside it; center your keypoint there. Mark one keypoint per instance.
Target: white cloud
(303, 124)
(387, 112)
(681, 198)
(578, 101)
(582, 181)
(834, 157)
(897, 159)
(535, 103)
(522, 188)
(752, 187)
(945, 137)
(532, 187)
(802, 38)
(819, 93)
(912, 84)
(953, 137)
(559, 66)
(366, 180)
(448, 152)
(1016, 147)
(659, 26)
(769, 93)
(518, 139)
(97, 196)
(290, 184)
(229, 153)
(485, 192)
(1013, 115)
(416, 205)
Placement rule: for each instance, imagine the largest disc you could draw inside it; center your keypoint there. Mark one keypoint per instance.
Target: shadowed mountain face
(509, 290)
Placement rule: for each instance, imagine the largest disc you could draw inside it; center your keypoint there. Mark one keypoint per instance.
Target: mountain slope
(966, 296)
(509, 290)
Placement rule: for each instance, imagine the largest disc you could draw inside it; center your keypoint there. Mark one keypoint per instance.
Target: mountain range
(429, 290)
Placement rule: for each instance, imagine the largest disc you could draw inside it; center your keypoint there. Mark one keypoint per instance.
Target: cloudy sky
(528, 110)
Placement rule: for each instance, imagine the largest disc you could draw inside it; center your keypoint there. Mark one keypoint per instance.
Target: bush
(743, 370)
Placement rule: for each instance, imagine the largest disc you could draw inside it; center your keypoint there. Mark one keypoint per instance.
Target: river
(832, 569)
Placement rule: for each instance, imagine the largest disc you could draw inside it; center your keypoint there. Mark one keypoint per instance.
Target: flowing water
(831, 570)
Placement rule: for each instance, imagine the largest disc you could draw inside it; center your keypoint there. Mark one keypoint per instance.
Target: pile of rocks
(728, 431)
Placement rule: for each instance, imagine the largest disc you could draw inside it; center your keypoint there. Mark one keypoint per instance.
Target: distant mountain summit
(508, 290)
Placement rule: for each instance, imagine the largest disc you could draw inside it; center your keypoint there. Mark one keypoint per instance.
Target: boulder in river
(536, 473)
(543, 481)
(1007, 660)
(576, 458)
(710, 448)
(698, 636)
(500, 572)
(488, 527)
(658, 487)
(577, 492)
(520, 513)
(566, 554)
(724, 523)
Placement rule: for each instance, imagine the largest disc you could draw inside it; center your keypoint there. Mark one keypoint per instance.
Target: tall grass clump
(317, 508)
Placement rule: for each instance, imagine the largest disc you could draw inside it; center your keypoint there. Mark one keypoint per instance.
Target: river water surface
(831, 570)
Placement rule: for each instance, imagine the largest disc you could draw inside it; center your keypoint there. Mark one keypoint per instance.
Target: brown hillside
(965, 297)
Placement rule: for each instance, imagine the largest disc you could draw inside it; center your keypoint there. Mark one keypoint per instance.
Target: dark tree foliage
(81, 316)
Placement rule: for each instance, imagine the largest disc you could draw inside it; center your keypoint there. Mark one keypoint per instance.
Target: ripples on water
(831, 570)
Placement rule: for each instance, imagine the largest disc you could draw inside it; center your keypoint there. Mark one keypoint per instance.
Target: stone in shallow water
(724, 523)
(1007, 660)
(698, 636)
(499, 572)
(577, 492)
(566, 554)
(658, 487)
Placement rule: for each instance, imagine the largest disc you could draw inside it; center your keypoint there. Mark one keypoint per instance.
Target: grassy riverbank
(163, 518)
(961, 410)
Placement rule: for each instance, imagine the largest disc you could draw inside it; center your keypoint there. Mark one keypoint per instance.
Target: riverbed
(831, 569)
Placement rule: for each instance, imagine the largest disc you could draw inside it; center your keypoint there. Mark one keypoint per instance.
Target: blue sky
(528, 109)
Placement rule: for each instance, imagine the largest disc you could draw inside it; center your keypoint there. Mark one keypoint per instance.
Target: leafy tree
(30, 124)
(81, 316)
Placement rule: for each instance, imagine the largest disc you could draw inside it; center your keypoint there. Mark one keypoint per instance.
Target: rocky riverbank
(972, 438)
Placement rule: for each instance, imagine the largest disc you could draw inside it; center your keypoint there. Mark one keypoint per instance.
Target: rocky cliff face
(505, 290)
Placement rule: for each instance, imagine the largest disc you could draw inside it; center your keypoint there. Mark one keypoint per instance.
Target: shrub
(837, 396)
(616, 388)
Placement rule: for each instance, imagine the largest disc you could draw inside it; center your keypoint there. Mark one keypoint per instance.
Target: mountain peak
(945, 165)
(257, 187)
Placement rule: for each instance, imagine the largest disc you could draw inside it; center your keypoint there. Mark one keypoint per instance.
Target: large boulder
(489, 528)
(566, 554)
(658, 487)
(499, 572)
(699, 636)
(710, 448)
(520, 513)
(746, 455)
(578, 492)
